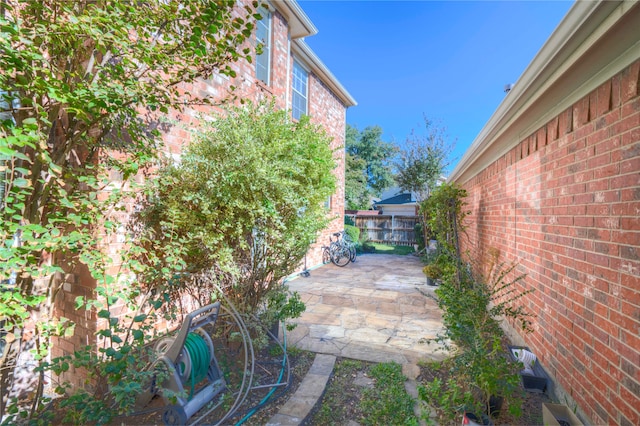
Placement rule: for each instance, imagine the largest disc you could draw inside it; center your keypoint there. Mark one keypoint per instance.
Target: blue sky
(446, 60)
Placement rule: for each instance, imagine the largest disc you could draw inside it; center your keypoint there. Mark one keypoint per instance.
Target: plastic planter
(533, 380)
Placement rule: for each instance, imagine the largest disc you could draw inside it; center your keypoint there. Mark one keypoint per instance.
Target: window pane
(263, 36)
(299, 98)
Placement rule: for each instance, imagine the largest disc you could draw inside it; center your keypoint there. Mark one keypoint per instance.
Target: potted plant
(534, 378)
(433, 272)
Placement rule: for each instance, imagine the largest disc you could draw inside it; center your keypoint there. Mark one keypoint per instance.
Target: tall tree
(369, 165)
(357, 195)
(421, 164)
(82, 88)
(423, 160)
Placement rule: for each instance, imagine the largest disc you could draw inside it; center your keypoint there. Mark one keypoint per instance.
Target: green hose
(198, 350)
(268, 395)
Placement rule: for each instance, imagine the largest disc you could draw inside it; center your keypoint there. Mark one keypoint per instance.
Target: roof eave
(299, 23)
(576, 59)
(310, 59)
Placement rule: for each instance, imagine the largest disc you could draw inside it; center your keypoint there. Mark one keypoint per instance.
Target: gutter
(309, 58)
(594, 42)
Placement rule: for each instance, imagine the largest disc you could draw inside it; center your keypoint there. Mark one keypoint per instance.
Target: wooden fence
(397, 230)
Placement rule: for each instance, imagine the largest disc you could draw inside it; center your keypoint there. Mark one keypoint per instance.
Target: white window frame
(296, 92)
(263, 61)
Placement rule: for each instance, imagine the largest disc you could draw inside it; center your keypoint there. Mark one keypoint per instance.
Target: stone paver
(378, 309)
(381, 302)
(294, 411)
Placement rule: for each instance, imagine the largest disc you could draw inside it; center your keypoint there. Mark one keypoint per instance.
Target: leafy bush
(385, 402)
(417, 230)
(368, 247)
(348, 220)
(432, 271)
(240, 208)
(472, 305)
(444, 213)
(353, 232)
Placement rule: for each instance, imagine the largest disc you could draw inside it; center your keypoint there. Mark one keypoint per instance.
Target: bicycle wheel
(352, 253)
(340, 256)
(326, 257)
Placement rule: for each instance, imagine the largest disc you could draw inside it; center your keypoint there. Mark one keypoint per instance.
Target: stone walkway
(377, 309)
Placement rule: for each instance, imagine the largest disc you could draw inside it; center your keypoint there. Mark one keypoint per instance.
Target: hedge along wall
(565, 204)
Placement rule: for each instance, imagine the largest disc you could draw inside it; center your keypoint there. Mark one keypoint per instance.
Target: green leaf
(140, 318)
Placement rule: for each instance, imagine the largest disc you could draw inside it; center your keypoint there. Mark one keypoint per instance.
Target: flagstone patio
(376, 309)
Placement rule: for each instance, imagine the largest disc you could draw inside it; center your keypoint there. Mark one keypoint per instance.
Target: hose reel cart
(183, 363)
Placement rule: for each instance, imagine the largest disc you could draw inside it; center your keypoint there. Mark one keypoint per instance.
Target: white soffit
(299, 23)
(594, 42)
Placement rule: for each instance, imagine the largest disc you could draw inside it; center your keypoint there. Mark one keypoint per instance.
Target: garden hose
(198, 350)
(268, 395)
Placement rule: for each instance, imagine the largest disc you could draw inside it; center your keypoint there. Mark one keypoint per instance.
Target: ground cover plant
(345, 391)
(368, 393)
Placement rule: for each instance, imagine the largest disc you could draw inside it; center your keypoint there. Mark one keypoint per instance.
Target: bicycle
(351, 244)
(326, 256)
(340, 251)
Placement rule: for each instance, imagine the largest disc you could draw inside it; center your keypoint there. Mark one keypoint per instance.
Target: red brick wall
(324, 108)
(328, 111)
(565, 204)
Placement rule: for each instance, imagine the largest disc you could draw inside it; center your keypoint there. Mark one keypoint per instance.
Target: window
(263, 37)
(327, 203)
(299, 100)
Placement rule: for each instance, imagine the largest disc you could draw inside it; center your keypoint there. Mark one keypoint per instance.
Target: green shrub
(348, 220)
(353, 232)
(417, 230)
(239, 210)
(473, 306)
(444, 213)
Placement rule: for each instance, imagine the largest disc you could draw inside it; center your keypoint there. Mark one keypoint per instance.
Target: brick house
(292, 73)
(288, 71)
(554, 184)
